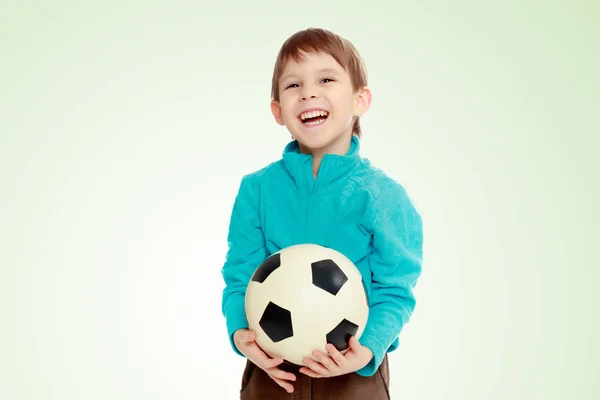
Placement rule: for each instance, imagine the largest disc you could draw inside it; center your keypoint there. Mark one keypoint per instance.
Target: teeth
(313, 114)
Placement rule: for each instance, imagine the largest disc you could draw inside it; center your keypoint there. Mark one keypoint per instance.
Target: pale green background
(124, 131)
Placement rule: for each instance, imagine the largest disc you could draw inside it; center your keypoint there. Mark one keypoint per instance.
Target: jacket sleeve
(395, 262)
(246, 250)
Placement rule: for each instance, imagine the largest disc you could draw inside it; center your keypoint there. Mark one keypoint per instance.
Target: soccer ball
(303, 297)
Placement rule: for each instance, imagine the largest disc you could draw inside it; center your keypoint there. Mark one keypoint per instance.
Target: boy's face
(317, 103)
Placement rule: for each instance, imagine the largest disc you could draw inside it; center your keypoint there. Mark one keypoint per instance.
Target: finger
(315, 366)
(336, 355)
(271, 362)
(261, 359)
(325, 360)
(245, 336)
(310, 372)
(286, 385)
(280, 374)
(255, 351)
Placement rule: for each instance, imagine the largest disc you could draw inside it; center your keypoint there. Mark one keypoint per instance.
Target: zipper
(311, 182)
(306, 219)
(307, 213)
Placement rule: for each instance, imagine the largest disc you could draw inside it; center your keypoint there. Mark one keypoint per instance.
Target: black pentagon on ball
(266, 268)
(276, 322)
(328, 276)
(340, 335)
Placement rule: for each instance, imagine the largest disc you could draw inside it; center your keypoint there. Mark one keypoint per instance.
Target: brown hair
(318, 40)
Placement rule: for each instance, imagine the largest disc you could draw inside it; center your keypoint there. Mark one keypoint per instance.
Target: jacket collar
(333, 166)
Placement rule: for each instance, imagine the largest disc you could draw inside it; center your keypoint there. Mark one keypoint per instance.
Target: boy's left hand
(336, 363)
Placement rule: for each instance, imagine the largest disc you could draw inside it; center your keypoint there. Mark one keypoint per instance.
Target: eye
(293, 85)
(326, 80)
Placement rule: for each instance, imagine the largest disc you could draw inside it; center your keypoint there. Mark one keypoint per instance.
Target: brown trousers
(257, 385)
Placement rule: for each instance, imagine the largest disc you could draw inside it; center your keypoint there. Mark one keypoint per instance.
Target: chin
(317, 138)
(314, 142)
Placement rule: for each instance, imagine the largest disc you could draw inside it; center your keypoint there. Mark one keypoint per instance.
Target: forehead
(310, 63)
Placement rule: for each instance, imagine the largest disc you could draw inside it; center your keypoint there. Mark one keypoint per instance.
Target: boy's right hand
(244, 341)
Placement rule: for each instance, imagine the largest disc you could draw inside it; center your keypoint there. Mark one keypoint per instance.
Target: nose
(308, 92)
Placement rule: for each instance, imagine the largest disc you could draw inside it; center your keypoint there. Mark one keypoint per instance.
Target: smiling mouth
(312, 118)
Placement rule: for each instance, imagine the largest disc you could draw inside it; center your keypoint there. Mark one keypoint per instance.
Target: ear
(276, 110)
(363, 101)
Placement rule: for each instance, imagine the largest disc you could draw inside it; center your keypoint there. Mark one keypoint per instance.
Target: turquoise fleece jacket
(351, 207)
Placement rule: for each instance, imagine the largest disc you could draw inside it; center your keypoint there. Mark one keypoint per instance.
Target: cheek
(344, 108)
(287, 111)
(342, 99)
(288, 114)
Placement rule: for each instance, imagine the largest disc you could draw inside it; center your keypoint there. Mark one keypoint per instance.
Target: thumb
(249, 336)
(354, 344)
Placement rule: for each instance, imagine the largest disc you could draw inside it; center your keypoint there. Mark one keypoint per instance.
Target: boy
(322, 191)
